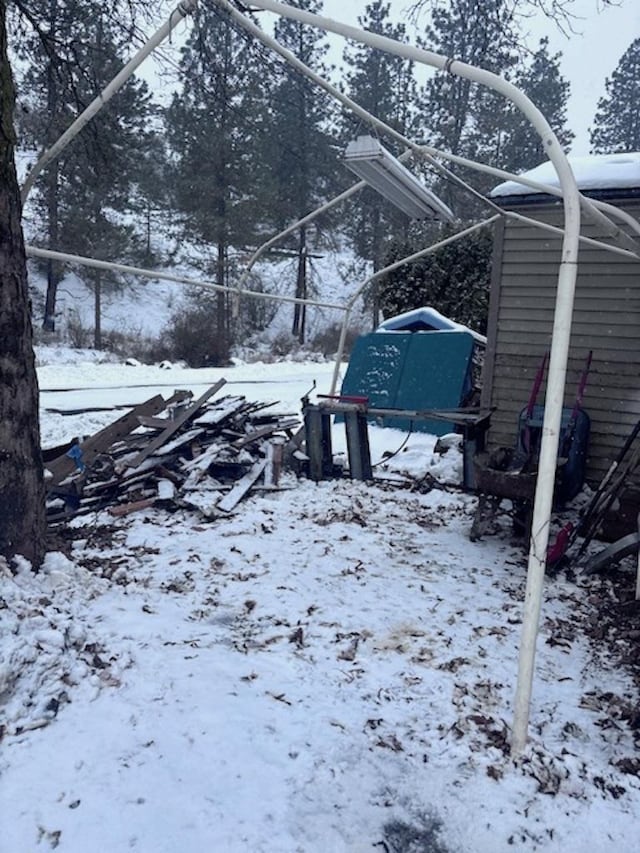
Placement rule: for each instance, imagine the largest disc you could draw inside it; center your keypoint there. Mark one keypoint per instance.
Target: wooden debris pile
(203, 454)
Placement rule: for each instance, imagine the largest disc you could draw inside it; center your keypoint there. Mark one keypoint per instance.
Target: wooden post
(317, 425)
(358, 445)
(273, 470)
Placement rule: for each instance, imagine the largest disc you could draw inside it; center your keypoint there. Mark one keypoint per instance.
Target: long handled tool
(558, 549)
(527, 442)
(588, 527)
(570, 429)
(600, 503)
(606, 491)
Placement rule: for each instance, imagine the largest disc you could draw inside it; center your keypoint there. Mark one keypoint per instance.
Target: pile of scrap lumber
(202, 454)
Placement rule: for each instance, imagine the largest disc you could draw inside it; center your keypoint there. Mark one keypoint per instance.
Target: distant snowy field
(330, 669)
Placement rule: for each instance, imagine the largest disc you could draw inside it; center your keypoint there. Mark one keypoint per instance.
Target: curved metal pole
(36, 252)
(298, 224)
(323, 208)
(390, 268)
(593, 208)
(415, 148)
(342, 341)
(560, 336)
(184, 8)
(422, 151)
(425, 152)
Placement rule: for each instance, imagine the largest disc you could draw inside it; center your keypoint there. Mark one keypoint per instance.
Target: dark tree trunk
(222, 321)
(53, 267)
(300, 311)
(97, 312)
(22, 511)
(52, 176)
(147, 227)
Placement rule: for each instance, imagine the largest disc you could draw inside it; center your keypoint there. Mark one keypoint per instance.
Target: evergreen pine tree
(519, 146)
(560, 12)
(150, 197)
(380, 82)
(48, 97)
(299, 150)
(86, 191)
(23, 523)
(385, 86)
(463, 117)
(213, 128)
(455, 280)
(617, 120)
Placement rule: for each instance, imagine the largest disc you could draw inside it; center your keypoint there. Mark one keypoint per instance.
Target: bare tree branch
(560, 12)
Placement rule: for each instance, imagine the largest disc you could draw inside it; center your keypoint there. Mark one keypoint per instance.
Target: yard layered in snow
(331, 668)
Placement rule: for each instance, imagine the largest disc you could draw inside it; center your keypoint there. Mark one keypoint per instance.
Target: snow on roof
(596, 172)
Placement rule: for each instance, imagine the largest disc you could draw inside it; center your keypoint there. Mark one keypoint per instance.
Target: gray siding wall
(606, 320)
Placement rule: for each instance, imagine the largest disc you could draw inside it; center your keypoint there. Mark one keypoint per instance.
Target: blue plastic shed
(413, 370)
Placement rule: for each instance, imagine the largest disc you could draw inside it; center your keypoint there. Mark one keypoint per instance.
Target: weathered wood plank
(264, 431)
(180, 441)
(224, 409)
(102, 440)
(153, 423)
(134, 506)
(174, 425)
(242, 487)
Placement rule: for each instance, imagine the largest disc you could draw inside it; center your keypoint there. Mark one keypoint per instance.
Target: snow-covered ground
(331, 668)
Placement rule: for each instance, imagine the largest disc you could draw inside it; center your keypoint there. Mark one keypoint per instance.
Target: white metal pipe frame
(560, 337)
(573, 202)
(595, 209)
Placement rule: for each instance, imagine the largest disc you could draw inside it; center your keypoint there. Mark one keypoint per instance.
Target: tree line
(246, 144)
(242, 146)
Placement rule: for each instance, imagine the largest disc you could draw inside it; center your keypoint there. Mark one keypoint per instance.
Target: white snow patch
(332, 668)
(602, 171)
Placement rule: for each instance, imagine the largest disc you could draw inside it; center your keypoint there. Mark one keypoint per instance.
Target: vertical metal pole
(341, 345)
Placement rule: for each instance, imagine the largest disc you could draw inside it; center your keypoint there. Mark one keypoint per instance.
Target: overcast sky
(589, 56)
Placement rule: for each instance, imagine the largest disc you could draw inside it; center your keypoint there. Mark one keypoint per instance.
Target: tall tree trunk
(299, 311)
(53, 267)
(97, 312)
(222, 325)
(147, 225)
(22, 519)
(52, 176)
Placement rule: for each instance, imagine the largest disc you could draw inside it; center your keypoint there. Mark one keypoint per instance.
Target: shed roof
(595, 172)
